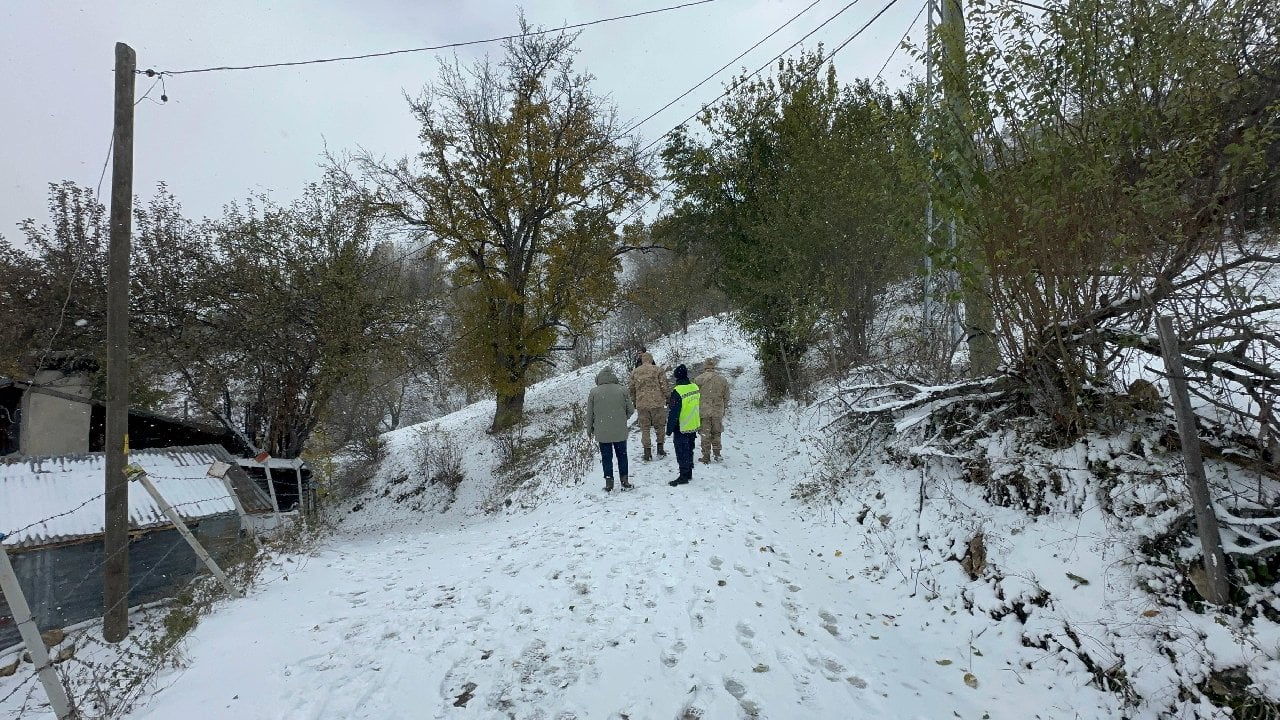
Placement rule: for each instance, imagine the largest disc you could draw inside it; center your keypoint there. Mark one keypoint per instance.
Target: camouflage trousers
(710, 431)
(655, 419)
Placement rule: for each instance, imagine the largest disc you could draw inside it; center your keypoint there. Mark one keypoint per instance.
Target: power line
(903, 40)
(776, 95)
(828, 56)
(1041, 8)
(721, 69)
(432, 48)
(862, 29)
(757, 71)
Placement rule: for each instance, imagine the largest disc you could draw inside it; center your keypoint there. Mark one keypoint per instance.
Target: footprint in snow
(716, 562)
(738, 690)
(831, 668)
(829, 623)
(671, 656)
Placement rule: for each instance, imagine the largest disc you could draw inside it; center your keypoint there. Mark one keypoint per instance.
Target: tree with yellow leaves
(523, 176)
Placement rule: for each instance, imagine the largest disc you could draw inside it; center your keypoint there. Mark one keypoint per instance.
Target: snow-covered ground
(726, 598)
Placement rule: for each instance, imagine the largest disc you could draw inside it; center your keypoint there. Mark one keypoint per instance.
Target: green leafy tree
(521, 179)
(55, 287)
(806, 193)
(303, 303)
(1115, 146)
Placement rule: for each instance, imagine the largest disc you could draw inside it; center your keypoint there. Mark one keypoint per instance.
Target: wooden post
(1215, 563)
(271, 488)
(182, 529)
(31, 637)
(302, 504)
(115, 575)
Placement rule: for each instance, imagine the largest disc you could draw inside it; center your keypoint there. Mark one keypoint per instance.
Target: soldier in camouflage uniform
(715, 399)
(649, 388)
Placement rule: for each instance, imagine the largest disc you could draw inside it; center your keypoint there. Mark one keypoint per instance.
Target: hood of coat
(646, 358)
(682, 375)
(607, 377)
(710, 364)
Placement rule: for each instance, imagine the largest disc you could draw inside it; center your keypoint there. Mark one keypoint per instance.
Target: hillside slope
(722, 599)
(491, 577)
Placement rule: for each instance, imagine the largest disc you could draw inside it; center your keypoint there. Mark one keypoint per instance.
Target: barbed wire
(53, 517)
(101, 495)
(21, 683)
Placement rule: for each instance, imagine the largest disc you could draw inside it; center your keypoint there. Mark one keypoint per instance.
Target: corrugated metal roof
(35, 492)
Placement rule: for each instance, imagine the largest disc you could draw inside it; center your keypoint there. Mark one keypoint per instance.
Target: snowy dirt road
(724, 598)
(712, 601)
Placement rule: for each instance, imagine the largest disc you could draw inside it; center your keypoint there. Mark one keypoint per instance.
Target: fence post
(220, 470)
(140, 475)
(1215, 563)
(31, 637)
(264, 459)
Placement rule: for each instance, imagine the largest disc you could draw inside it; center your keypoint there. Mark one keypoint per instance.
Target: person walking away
(608, 407)
(683, 422)
(715, 398)
(649, 394)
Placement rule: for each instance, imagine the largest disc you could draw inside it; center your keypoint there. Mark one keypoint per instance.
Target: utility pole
(115, 577)
(975, 286)
(931, 8)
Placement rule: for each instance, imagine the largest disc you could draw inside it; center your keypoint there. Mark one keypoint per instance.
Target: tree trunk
(779, 361)
(509, 410)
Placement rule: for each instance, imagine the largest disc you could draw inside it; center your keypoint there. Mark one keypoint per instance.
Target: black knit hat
(682, 374)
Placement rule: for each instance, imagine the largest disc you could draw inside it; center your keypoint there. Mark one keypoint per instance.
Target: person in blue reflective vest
(683, 421)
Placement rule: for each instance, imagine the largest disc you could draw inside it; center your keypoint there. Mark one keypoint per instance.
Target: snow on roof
(36, 491)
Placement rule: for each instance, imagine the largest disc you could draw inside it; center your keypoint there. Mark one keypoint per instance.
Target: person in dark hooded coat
(608, 408)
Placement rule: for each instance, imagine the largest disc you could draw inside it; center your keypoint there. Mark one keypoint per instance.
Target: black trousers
(684, 452)
(607, 451)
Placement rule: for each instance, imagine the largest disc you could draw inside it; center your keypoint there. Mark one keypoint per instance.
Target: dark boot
(608, 484)
(685, 477)
(648, 454)
(626, 485)
(662, 449)
(718, 458)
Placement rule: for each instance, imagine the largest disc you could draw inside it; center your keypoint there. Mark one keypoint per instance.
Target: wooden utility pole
(1217, 591)
(115, 574)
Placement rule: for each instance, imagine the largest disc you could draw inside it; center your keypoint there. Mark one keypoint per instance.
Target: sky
(223, 136)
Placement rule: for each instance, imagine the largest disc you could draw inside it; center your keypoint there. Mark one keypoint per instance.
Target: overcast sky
(225, 135)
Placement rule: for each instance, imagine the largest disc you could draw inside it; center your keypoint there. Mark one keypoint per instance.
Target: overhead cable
(432, 48)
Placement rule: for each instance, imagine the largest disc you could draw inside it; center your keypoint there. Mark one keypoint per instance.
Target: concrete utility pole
(115, 574)
(30, 632)
(927, 310)
(975, 286)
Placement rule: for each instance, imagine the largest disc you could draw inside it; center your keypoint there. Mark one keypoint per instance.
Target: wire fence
(98, 679)
(101, 677)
